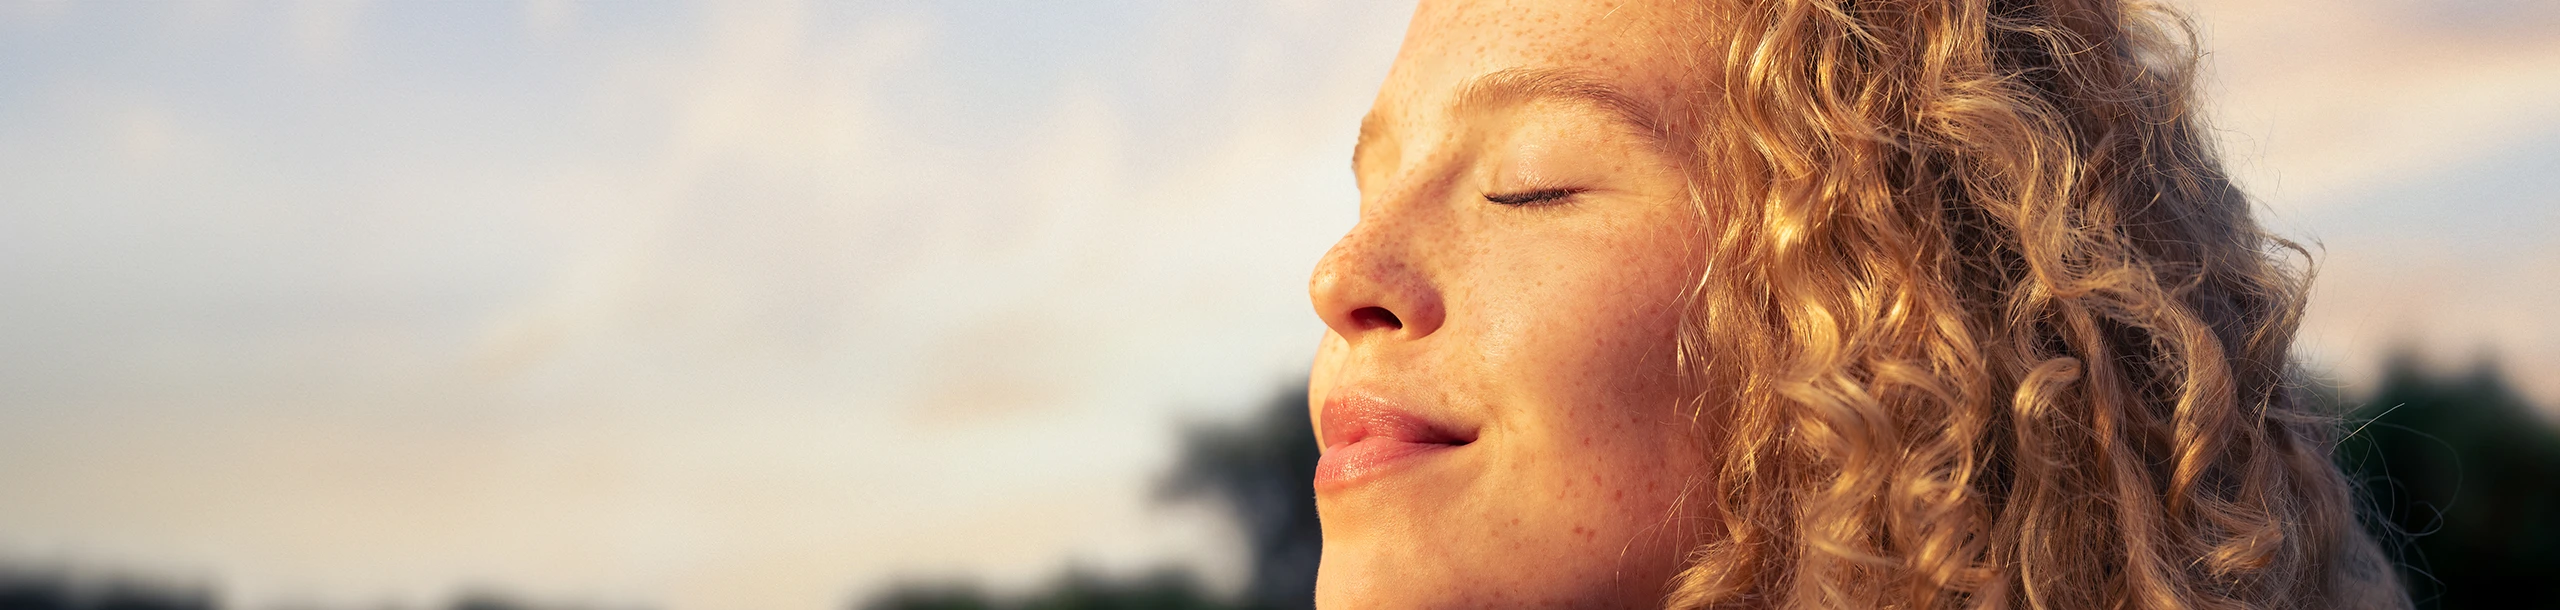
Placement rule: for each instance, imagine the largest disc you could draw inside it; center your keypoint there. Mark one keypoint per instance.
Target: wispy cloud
(2400, 136)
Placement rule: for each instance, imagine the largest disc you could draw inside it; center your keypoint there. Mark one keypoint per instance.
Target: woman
(1814, 304)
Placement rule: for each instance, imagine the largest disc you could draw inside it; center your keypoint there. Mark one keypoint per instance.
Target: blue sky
(744, 305)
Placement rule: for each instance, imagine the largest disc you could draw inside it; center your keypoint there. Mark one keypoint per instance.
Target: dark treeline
(1257, 471)
(23, 588)
(2461, 474)
(1168, 588)
(2463, 479)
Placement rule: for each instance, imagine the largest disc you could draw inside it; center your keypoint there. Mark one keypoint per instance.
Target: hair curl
(1987, 326)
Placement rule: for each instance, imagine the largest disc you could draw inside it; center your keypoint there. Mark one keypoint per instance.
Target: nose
(1369, 287)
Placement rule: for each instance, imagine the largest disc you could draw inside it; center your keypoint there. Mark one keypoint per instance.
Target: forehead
(1632, 45)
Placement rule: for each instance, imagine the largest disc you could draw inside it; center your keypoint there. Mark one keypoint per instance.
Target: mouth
(1367, 436)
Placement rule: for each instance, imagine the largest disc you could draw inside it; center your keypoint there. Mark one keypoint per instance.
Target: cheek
(1585, 328)
(1579, 349)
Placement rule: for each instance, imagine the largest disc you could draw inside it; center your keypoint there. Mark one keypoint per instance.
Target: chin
(1411, 575)
(1351, 581)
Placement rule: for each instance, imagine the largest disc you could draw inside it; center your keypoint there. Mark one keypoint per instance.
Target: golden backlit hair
(1986, 325)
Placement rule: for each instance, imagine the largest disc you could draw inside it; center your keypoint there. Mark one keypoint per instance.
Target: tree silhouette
(28, 589)
(53, 590)
(1259, 471)
(1262, 473)
(2464, 480)
(1169, 589)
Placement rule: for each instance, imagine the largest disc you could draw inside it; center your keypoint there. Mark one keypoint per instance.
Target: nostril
(1375, 317)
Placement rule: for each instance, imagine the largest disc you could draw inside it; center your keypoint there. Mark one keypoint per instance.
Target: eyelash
(1531, 198)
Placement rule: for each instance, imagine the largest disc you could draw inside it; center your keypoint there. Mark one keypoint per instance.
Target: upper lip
(1352, 414)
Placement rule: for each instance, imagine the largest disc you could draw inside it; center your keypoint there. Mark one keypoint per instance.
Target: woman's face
(1496, 397)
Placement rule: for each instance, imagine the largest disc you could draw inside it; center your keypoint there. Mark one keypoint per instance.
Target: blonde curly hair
(1987, 325)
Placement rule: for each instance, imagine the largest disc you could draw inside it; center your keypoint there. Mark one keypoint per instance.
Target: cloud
(2329, 103)
(2386, 133)
(324, 31)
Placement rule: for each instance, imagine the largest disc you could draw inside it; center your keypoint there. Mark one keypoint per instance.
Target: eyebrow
(1520, 86)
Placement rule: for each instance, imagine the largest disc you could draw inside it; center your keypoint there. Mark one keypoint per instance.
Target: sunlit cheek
(1608, 316)
(1499, 340)
(1617, 328)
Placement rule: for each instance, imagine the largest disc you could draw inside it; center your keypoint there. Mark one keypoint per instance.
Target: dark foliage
(1258, 471)
(1167, 589)
(2464, 478)
(54, 591)
(491, 600)
(1261, 472)
(932, 596)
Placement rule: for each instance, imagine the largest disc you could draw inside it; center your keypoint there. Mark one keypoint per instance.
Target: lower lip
(1370, 458)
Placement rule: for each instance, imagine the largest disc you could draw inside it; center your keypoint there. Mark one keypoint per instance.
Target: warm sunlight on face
(1496, 397)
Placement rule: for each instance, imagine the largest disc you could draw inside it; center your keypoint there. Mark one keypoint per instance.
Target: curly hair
(1986, 325)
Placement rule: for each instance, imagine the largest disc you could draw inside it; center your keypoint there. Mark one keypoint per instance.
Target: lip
(1368, 436)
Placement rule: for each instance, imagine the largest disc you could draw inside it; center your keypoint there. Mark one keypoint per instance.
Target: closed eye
(1536, 197)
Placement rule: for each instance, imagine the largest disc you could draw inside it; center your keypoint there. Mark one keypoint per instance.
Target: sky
(764, 305)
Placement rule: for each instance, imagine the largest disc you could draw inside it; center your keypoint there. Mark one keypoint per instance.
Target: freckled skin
(1546, 328)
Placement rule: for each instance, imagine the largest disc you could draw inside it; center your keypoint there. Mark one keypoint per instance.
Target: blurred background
(900, 304)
